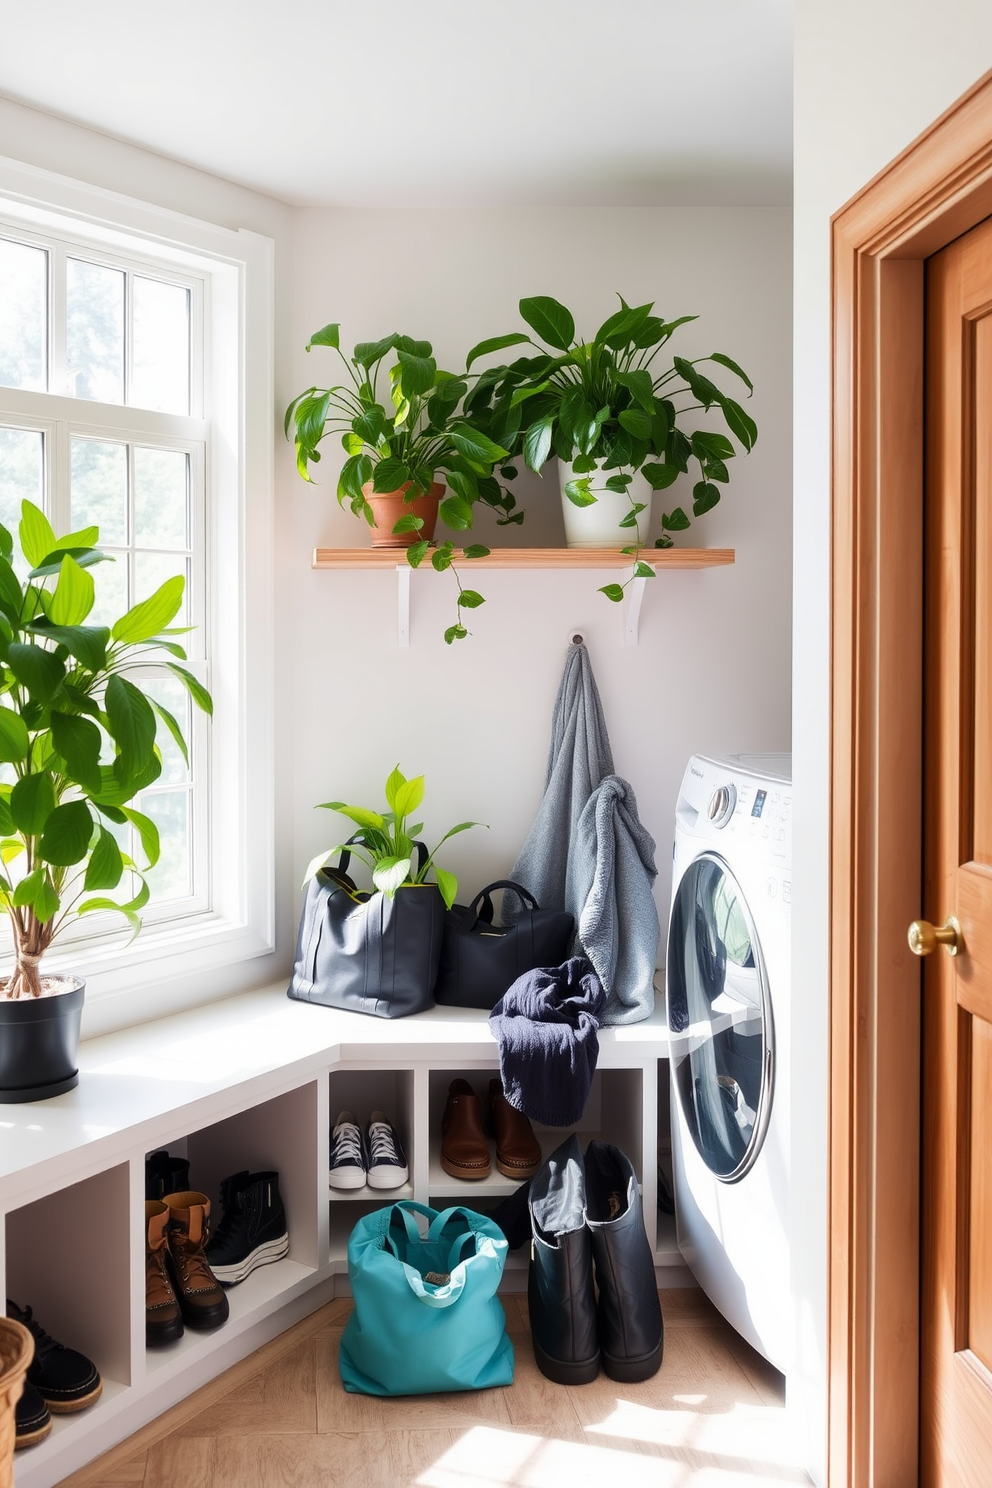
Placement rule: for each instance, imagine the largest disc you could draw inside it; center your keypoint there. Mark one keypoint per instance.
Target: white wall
(712, 669)
(869, 76)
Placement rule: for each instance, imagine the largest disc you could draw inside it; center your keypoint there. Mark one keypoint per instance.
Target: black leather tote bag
(480, 960)
(364, 953)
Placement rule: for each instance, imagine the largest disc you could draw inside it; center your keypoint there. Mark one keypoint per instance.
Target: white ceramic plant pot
(598, 526)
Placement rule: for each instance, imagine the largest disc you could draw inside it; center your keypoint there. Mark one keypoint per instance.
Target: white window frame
(236, 269)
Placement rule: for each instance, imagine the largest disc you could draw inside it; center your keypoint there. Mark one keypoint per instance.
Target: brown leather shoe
(464, 1149)
(518, 1152)
(201, 1298)
(163, 1320)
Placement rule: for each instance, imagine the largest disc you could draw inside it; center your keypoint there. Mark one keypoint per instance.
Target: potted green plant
(614, 416)
(388, 846)
(78, 744)
(401, 429)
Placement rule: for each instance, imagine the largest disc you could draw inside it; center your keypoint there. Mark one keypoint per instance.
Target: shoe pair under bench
(60, 1381)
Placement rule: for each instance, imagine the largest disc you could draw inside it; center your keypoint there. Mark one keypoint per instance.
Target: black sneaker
(252, 1229)
(387, 1160)
(165, 1175)
(66, 1380)
(32, 1419)
(349, 1167)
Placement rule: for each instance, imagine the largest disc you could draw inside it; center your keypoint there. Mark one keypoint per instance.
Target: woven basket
(16, 1352)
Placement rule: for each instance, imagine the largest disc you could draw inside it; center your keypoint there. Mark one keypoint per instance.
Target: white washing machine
(729, 994)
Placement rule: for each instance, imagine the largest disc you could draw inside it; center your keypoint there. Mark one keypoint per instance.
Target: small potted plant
(401, 430)
(613, 416)
(77, 742)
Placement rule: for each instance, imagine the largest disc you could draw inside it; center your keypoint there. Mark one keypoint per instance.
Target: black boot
(631, 1330)
(252, 1229)
(165, 1175)
(560, 1295)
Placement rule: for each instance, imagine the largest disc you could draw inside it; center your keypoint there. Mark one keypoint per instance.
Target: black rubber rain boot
(560, 1296)
(631, 1330)
(165, 1174)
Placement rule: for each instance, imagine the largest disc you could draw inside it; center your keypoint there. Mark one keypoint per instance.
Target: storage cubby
(361, 1092)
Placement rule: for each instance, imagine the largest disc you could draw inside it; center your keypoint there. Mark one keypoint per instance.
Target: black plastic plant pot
(39, 1044)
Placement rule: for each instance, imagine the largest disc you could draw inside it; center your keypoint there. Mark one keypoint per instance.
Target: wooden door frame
(932, 193)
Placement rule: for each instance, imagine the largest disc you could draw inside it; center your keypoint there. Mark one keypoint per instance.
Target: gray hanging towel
(617, 923)
(579, 758)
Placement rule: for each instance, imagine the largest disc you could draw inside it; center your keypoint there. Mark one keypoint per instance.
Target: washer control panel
(721, 805)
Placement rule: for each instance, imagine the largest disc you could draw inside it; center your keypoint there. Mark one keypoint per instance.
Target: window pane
(151, 570)
(23, 316)
(160, 375)
(161, 498)
(95, 331)
(22, 473)
(99, 489)
(169, 810)
(170, 693)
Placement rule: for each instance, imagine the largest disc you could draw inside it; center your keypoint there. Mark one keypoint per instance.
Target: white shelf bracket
(402, 604)
(632, 611)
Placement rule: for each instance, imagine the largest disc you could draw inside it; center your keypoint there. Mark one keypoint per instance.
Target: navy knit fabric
(547, 1028)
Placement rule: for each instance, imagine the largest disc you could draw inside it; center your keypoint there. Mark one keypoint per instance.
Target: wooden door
(956, 1363)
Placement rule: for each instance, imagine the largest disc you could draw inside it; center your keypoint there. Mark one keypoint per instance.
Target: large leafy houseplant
(387, 844)
(402, 428)
(77, 739)
(609, 408)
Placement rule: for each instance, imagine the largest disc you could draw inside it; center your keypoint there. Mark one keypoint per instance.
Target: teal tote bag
(426, 1316)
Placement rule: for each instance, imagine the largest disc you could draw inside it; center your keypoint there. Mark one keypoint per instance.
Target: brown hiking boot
(518, 1152)
(201, 1298)
(163, 1320)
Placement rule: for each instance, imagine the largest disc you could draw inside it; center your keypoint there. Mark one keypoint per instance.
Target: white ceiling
(428, 101)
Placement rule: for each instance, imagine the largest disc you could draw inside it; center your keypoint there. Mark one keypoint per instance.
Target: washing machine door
(719, 1019)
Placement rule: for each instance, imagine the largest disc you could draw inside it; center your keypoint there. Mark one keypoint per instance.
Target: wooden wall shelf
(659, 558)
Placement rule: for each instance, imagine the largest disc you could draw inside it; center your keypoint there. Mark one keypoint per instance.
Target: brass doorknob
(924, 937)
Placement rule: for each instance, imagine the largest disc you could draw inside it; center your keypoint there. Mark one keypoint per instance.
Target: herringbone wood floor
(713, 1417)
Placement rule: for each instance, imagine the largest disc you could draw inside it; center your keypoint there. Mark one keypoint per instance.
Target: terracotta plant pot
(39, 1043)
(390, 506)
(16, 1353)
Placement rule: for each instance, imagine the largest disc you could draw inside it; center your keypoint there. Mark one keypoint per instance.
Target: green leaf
(725, 361)
(32, 802)
(389, 874)
(621, 327)
(636, 422)
(354, 474)
(130, 721)
(476, 550)
(36, 891)
(40, 671)
(13, 739)
(676, 521)
(196, 690)
(537, 442)
(495, 343)
(35, 532)
(52, 562)
(469, 599)
(447, 884)
(368, 352)
(409, 523)
(707, 446)
(619, 484)
(86, 537)
(476, 446)
(328, 335)
(369, 425)
(67, 834)
(704, 497)
(390, 474)
(416, 553)
(88, 906)
(407, 796)
(660, 477)
(417, 374)
(578, 492)
(74, 594)
(613, 592)
(11, 593)
(87, 643)
(77, 741)
(358, 814)
(104, 869)
(454, 633)
(550, 320)
(456, 513)
(644, 571)
(441, 558)
(146, 619)
(147, 831)
(740, 423)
